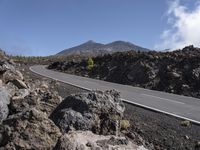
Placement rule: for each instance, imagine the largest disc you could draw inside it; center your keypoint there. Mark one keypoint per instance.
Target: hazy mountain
(122, 46)
(93, 48)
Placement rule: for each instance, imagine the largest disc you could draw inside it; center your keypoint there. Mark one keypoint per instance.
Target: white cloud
(184, 27)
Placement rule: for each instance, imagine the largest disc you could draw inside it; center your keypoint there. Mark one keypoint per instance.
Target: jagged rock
(11, 75)
(30, 129)
(196, 73)
(49, 100)
(12, 89)
(25, 107)
(21, 94)
(73, 120)
(163, 71)
(188, 48)
(44, 101)
(4, 66)
(97, 111)
(4, 101)
(20, 84)
(140, 73)
(86, 140)
(55, 65)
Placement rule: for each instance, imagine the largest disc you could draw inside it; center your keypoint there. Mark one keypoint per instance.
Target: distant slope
(93, 48)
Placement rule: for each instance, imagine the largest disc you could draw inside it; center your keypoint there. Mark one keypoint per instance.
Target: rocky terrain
(160, 131)
(34, 116)
(92, 48)
(174, 72)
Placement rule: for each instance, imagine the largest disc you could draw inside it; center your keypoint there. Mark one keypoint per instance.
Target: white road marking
(128, 101)
(160, 111)
(170, 100)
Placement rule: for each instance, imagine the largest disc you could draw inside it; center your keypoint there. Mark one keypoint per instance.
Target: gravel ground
(163, 131)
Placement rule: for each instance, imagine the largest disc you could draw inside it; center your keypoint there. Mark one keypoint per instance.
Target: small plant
(185, 123)
(90, 63)
(124, 124)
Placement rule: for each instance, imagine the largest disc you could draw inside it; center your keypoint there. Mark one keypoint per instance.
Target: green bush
(124, 124)
(185, 123)
(90, 63)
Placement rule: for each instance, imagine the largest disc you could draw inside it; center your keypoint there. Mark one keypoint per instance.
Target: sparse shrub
(90, 63)
(185, 123)
(124, 124)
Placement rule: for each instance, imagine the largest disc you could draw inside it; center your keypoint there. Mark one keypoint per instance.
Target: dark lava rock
(97, 111)
(163, 71)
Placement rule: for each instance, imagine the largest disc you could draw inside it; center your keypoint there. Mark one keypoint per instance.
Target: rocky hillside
(175, 72)
(35, 117)
(93, 48)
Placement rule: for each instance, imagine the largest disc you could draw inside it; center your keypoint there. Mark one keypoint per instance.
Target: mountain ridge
(93, 48)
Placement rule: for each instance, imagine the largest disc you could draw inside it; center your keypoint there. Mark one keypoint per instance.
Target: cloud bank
(184, 27)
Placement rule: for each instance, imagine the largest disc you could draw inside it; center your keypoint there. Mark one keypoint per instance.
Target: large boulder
(30, 129)
(97, 111)
(86, 140)
(4, 101)
(15, 92)
(11, 75)
(41, 98)
(4, 66)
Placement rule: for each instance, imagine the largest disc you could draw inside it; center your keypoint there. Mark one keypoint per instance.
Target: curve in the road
(183, 107)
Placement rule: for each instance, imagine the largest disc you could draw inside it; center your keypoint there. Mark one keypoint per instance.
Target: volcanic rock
(30, 129)
(162, 71)
(4, 101)
(11, 75)
(196, 73)
(86, 140)
(20, 84)
(97, 111)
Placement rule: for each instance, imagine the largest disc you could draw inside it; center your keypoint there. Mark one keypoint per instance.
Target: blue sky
(45, 27)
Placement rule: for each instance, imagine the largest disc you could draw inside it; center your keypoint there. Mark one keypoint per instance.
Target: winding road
(175, 105)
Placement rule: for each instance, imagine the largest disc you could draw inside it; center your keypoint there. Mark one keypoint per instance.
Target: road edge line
(124, 100)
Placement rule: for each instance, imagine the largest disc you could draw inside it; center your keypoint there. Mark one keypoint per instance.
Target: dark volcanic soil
(163, 131)
(174, 72)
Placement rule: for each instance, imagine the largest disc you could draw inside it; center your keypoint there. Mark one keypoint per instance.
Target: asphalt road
(179, 106)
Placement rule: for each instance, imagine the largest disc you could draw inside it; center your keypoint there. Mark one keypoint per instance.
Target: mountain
(93, 48)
